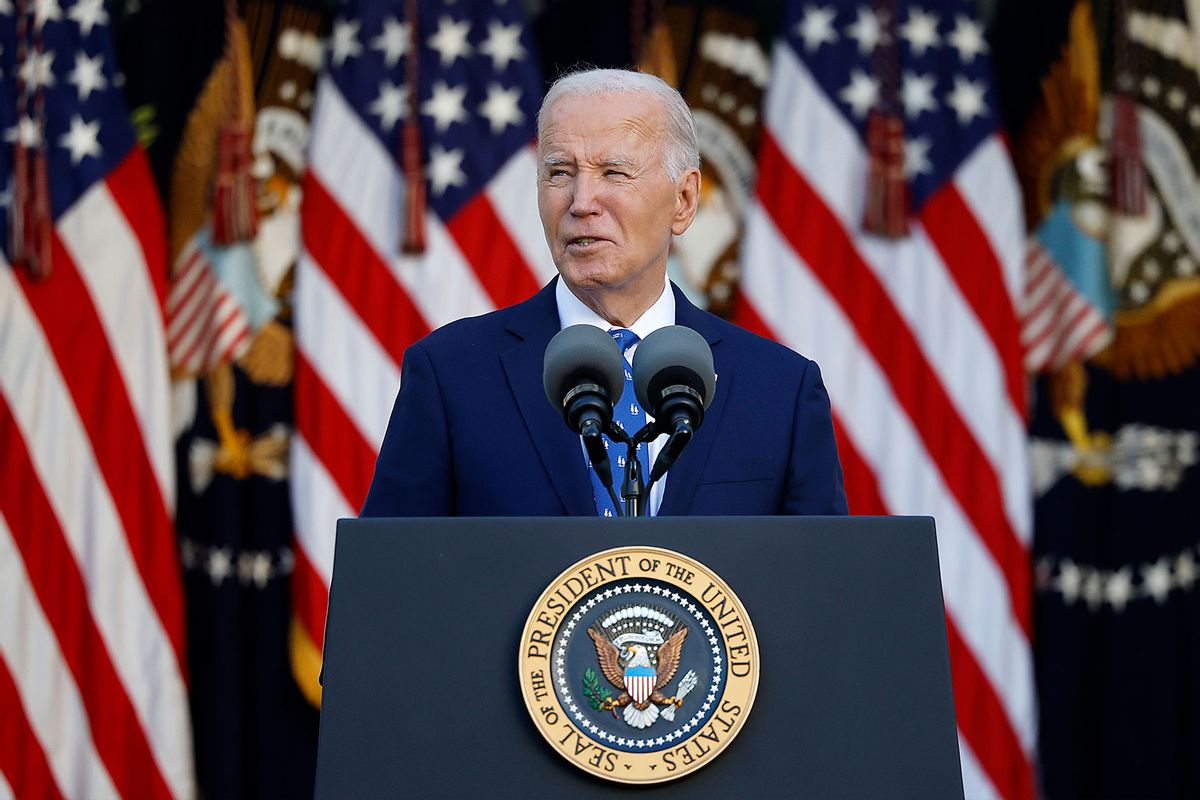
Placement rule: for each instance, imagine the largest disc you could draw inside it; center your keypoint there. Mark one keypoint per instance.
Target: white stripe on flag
(344, 354)
(989, 186)
(323, 506)
(976, 785)
(66, 467)
(111, 261)
(48, 691)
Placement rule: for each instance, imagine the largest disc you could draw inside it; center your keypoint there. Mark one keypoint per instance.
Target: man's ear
(687, 200)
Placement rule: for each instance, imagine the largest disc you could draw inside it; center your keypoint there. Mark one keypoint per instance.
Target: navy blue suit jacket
(472, 433)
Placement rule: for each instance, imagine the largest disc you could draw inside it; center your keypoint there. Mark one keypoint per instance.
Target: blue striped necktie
(630, 416)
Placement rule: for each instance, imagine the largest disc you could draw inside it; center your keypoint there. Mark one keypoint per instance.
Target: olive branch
(593, 691)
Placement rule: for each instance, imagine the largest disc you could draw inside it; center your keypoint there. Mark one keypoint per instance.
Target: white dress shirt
(572, 311)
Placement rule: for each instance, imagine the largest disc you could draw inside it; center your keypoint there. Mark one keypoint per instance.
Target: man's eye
(616, 172)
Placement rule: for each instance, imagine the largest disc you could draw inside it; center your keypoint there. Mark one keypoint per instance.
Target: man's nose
(585, 196)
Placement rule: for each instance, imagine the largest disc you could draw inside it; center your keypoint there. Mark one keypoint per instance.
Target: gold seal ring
(638, 665)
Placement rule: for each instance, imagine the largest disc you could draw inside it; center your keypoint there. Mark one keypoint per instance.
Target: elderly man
(472, 433)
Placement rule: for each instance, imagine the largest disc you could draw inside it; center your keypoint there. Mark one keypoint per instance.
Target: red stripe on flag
(191, 326)
(485, 243)
(131, 185)
(310, 598)
(22, 761)
(80, 344)
(352, 265)
(969, 258)
(1060, 292)
(190, 270)
(1083, 349)
(331, 435)
(60, 589)
(984, 723)
(746, 315)
(818, 237)
(862, 487)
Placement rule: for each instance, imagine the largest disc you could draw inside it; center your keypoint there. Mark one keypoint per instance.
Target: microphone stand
(634, 488)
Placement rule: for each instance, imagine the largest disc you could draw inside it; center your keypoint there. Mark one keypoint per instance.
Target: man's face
(607, 205)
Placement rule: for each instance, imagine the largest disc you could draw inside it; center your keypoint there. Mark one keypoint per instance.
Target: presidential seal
(638, 665)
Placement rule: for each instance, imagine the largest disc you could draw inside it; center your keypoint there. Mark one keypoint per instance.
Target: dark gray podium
(422, 697)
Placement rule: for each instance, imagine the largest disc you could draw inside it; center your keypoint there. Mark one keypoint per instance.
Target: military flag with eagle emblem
(1105, 104)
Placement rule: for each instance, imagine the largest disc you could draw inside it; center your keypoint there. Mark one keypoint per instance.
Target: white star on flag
(87, 14)
(450, 41)
(391, 105)
(1156, 580)
(345, 41)
(501, 108)
(219, 565)
(28, 132)
(81, 139)
(967, 39)
(916, 157)
(45, 11)
(446, 106)
(917, 94)
(38, 70)
(966, 99)
(866, 30)
(393, 42)
(861, 94)
(88, 75)
(1120, 588)
(1069, 581)
(445, 169)
(920, 30)
(816, 28)
(503, 44)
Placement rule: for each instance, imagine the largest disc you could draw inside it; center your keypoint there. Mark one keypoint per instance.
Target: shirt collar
(572, 311)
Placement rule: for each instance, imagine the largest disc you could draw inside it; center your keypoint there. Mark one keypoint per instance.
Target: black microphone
(583, 374)
(674, 379)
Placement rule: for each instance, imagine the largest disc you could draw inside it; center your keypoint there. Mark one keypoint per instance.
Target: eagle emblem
(638, 648)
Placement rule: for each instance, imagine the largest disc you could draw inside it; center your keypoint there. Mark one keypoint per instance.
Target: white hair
(680, 150)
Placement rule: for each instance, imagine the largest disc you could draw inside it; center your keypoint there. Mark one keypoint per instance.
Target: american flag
(359, 301)
(920, 333)
(93, 688)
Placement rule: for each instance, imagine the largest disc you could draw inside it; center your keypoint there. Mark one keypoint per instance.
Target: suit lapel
(685, 475)
(535, 322)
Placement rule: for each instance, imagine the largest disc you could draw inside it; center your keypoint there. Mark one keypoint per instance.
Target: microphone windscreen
(581, 354)
(670, 356)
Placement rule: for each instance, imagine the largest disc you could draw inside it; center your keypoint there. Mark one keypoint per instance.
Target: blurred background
(223, 222)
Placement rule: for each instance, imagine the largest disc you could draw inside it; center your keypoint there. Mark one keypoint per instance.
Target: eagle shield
(639, 682)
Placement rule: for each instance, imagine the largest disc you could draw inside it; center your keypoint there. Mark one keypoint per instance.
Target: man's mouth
(584, 241)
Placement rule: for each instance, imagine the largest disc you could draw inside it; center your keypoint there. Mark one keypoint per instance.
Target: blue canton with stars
(945, 92)
(479, 83)
(87, 129)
